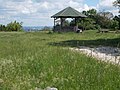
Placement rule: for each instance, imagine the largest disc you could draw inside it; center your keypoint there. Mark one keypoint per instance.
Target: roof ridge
(77, 12)
(64, 10)
(69, 12)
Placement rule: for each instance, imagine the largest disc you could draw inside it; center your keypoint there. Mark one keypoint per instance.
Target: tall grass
(30, 60)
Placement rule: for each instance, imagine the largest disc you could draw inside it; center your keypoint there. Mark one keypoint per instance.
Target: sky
(39, 12)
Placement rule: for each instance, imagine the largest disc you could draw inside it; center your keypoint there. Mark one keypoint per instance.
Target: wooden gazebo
(62, 15)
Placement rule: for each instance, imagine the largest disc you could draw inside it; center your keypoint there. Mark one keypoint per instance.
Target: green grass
(30, 60)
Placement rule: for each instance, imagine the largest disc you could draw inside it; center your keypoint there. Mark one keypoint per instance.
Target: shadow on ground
(90, 43)
(94, 43)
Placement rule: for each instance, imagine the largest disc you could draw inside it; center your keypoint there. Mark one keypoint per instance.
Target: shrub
(2, 27)
(87, 24)
(14, 26)
(114, 24)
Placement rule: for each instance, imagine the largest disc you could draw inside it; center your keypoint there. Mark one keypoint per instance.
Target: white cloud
(86, 7)
(73, 3)
(107, 5)
(33, 10)
(38, 12)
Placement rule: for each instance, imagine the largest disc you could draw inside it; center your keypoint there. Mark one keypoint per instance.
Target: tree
(2, 27)
(14, 26)
(114, 24)
(98, 20)
(87, 24)
(104, 22)
(117, 18)
(117, 4)
(108, 15)
(92, 12)
(85, 13)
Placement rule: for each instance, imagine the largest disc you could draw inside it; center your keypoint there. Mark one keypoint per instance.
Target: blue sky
(38, 12)
(91, 2)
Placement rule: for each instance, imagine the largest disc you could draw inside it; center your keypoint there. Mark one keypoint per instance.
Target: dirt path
(107, 54)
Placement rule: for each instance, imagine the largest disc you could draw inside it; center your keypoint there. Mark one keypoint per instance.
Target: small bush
(13, 26)
(114, 24)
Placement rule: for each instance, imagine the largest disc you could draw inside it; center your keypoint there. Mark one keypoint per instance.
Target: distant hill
(34, 28)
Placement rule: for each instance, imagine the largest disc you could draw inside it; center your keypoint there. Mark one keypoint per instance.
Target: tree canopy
(117, 4)
(12, 26)
(97, 20)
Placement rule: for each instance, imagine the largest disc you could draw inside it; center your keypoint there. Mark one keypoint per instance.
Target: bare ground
(106, 54)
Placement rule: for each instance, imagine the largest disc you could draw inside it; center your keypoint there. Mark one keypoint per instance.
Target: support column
(61, 24)
(54, 25)
(75, 22)
(76, 27)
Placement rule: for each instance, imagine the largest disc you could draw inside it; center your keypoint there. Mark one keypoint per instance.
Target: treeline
(97, 20)
(12, 26)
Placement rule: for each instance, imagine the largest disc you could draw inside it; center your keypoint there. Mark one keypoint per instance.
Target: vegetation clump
(12, 26)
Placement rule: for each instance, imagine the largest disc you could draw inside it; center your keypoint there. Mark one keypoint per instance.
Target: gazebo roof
(68, 13)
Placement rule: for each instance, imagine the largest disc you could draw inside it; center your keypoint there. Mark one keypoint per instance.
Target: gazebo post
(54, 23)
(61, 23)
(76, 27)
(75, 22)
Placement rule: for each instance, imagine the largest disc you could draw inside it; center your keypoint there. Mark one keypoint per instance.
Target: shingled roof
(68, 12)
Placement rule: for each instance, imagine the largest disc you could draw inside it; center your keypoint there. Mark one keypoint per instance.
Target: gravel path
(107, 54)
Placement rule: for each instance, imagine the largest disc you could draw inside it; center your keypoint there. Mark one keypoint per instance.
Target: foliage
(87, 24)
(117, 18)
(117, 4)
(31, 60)
(102, 21)
(90, 12)
(14, 26)
(2, 28)
(114, 24)
(85, 13)
(97, 20)
(108, 15)
(98, 27)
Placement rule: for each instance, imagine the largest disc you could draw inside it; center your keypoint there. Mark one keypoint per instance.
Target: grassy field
(30, 60)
